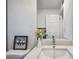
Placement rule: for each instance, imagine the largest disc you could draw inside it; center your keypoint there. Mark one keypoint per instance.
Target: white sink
(50, 53)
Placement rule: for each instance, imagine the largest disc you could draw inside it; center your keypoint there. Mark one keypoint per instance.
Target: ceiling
(49, 4)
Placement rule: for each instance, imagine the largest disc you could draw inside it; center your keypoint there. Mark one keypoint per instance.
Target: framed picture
(20, 42)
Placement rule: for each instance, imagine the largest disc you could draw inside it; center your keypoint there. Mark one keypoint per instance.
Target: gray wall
(21, 20)
(68, 19)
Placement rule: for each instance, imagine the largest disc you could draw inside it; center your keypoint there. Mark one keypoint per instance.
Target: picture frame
(20, 42)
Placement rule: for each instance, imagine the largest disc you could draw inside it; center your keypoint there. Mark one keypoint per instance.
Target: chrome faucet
(53, 41)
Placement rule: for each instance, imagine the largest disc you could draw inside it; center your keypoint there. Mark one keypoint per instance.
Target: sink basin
(50, 53)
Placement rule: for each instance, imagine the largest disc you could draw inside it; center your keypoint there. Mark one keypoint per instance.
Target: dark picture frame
(20, 42)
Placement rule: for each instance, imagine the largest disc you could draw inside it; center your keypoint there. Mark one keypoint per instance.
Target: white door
(52, 25)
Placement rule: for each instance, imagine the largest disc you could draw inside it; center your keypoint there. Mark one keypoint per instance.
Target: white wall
(21, 19)
(68, 19)
(42, 13)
